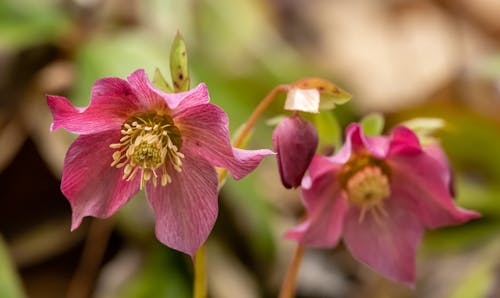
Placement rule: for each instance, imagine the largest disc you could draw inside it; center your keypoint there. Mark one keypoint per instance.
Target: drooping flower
(295, 141)
(134, 136)
(379, 194)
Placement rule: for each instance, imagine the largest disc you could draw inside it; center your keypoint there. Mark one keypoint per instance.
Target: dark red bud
(295, 140)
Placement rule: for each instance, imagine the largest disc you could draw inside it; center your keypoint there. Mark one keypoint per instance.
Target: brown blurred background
(403, 58)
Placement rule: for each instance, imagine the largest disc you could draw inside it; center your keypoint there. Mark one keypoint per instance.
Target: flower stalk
(290, 281)
(200, 274)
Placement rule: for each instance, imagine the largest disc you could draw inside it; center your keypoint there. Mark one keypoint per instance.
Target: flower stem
(81, 285)
(250, 123)
(239, 139)
(288, 286)
(200, 276)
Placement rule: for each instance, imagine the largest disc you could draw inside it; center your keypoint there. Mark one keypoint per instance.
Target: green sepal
(373, 124)
(179, 64)
(160, 82)
(329, 130)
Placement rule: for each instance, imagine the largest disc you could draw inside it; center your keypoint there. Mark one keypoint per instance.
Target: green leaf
(160, 82)
(179, 64)
(373, 124)
(329, 131)
(10, 285)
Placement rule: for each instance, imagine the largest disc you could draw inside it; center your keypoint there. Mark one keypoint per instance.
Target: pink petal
(205, 133)
(153, 97)
(326, 208)
(388, 245)
(186, 209)
(404, 141)
(357, 141)
(112, 101)
(196, 96)
(424, 185)
(92, 186)
(435, 151)
(320, 165)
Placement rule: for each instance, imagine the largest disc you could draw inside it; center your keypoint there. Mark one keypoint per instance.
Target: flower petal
(112, 101)
(186, 209)
(92, 186)
(435, 151)
(153, 97)
(357, 141)
(387, 245)
(204, 131)
(424, 184)
(404, 140)
(306, 100)
(326, 208)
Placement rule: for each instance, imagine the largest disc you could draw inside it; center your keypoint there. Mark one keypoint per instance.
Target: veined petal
(186, 208)
(92, 186)
(112, 101)
(388, 245)
(423, 184)
(326, 208)
(153, 97)
(205, 133)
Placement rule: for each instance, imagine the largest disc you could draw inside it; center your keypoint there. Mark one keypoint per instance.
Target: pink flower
(379, 194)
(295, 141)
(134, 136)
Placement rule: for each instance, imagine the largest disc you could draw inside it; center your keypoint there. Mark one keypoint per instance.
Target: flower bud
(295, 140)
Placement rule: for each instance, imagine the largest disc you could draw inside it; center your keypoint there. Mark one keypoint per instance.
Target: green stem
(200, 275)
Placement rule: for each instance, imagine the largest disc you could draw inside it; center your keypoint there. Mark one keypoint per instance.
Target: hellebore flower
(379, 194)
(295, 141)
(134, 136)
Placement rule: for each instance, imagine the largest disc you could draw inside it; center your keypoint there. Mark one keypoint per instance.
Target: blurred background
(404, 58)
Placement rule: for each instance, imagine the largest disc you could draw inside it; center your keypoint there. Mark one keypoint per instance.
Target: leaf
(10, 286)
(179, 64)
(160, 82)
(373, 124)
(329, 131)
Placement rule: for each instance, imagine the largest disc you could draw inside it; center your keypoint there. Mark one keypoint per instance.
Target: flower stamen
(149, 143)
(368, 188)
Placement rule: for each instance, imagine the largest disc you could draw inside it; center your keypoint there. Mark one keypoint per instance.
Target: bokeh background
(403, 58)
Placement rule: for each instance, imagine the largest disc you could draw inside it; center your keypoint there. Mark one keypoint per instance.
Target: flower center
(150, 144)
(366, 183)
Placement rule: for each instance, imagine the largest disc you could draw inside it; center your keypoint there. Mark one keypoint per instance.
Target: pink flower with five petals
(134, 136)
(379, 194)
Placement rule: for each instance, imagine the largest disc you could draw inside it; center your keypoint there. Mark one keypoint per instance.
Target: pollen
(367, 186)
(150, 147)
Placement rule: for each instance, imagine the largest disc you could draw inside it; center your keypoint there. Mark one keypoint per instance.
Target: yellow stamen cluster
(368, 188)
(365, 180)
(150, 144)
